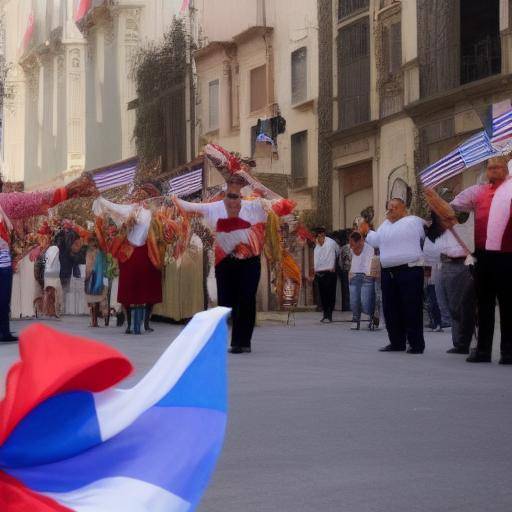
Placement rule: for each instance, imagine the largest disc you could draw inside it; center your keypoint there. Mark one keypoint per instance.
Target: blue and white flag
(68, 442)
(477, 149)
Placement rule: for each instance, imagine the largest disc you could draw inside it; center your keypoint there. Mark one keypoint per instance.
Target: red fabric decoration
(284, 207)
(4, 233)
(54, 362)
(59, 196)
(231, 224)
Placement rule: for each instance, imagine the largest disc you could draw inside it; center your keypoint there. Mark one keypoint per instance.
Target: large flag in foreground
(69, 442)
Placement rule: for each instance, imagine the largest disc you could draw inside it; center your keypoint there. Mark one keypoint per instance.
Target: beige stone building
(70, 83)
(408, 80)
(258, 60)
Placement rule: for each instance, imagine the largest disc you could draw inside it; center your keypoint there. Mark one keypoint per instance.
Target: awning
(115, 175)
(187, 184)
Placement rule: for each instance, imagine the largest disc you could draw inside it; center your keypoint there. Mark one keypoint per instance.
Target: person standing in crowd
(52, 278)
(362, 284)
(239, 229)
(400, 239)
(493, 250)
(457, 279)
(432, 259)
(140, 278)
(95, 289)
(5, 278)
(344, 265)
(325, 255)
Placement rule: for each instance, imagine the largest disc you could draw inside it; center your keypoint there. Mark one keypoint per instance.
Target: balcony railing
(445, 68)
(481, 60)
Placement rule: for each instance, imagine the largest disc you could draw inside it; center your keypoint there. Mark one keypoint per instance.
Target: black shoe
(148, 329)
(458, 350)
(9, 339)
(128, 331)
(415, 351)
(506, 360)
(478, 357)
(235, 350)
(391, 348)
(246, 350)
(356, 325)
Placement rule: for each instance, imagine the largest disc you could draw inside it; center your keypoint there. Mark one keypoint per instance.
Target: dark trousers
(493, 280)
(5, 301)
(237, 284)
(345, 291)
(434, 312)
(459, 287)
(402, 300)
(326, 282)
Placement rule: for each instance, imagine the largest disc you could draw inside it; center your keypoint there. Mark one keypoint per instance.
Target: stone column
(225, 100)
(75, 108)
(128, 29)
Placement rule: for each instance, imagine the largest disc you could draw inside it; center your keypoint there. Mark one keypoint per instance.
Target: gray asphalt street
(321, 421)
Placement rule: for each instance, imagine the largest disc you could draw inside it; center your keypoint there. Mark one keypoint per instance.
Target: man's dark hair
(356, 236)
(320, 231)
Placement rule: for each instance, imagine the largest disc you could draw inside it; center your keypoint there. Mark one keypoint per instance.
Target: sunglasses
(230, 195)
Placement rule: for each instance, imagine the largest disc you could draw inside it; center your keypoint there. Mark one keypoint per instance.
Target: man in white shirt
(362, 284)
(456, 279)
(325, 256)
(400, 239)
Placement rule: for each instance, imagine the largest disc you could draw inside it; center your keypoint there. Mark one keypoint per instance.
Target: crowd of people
(453, 267)
(139, 236)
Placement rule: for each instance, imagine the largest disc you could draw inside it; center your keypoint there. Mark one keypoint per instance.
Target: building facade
(257, 62)
(408, 80)
(70, 83)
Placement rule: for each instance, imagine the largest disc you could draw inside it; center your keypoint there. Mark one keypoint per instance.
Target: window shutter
(299, 75)
(258, 88)
(354, 74)
(299, 146)
(213, 105)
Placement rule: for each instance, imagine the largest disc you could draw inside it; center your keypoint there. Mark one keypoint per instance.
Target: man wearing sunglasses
(239, 229)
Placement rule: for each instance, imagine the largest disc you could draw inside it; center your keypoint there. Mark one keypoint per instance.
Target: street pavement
(319, 420)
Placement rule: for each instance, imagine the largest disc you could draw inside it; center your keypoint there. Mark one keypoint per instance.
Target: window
(299, 75)
(213, 105)
(354, 74)
(390, 65)
(480, 44)
(393, 48)
(458, 43)
(349, 7)
(258, 88)
(299, 149)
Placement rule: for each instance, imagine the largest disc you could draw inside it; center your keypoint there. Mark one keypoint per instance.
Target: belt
(449, 259)
(398, 268)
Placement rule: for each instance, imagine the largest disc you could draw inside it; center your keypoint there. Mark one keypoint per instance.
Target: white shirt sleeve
(373, 239)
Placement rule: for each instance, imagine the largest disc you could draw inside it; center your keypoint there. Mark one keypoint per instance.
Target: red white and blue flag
(69, 442)
(494, 141)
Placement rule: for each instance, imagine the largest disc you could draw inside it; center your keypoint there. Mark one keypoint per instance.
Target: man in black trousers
(325, 257)
(400, 240)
